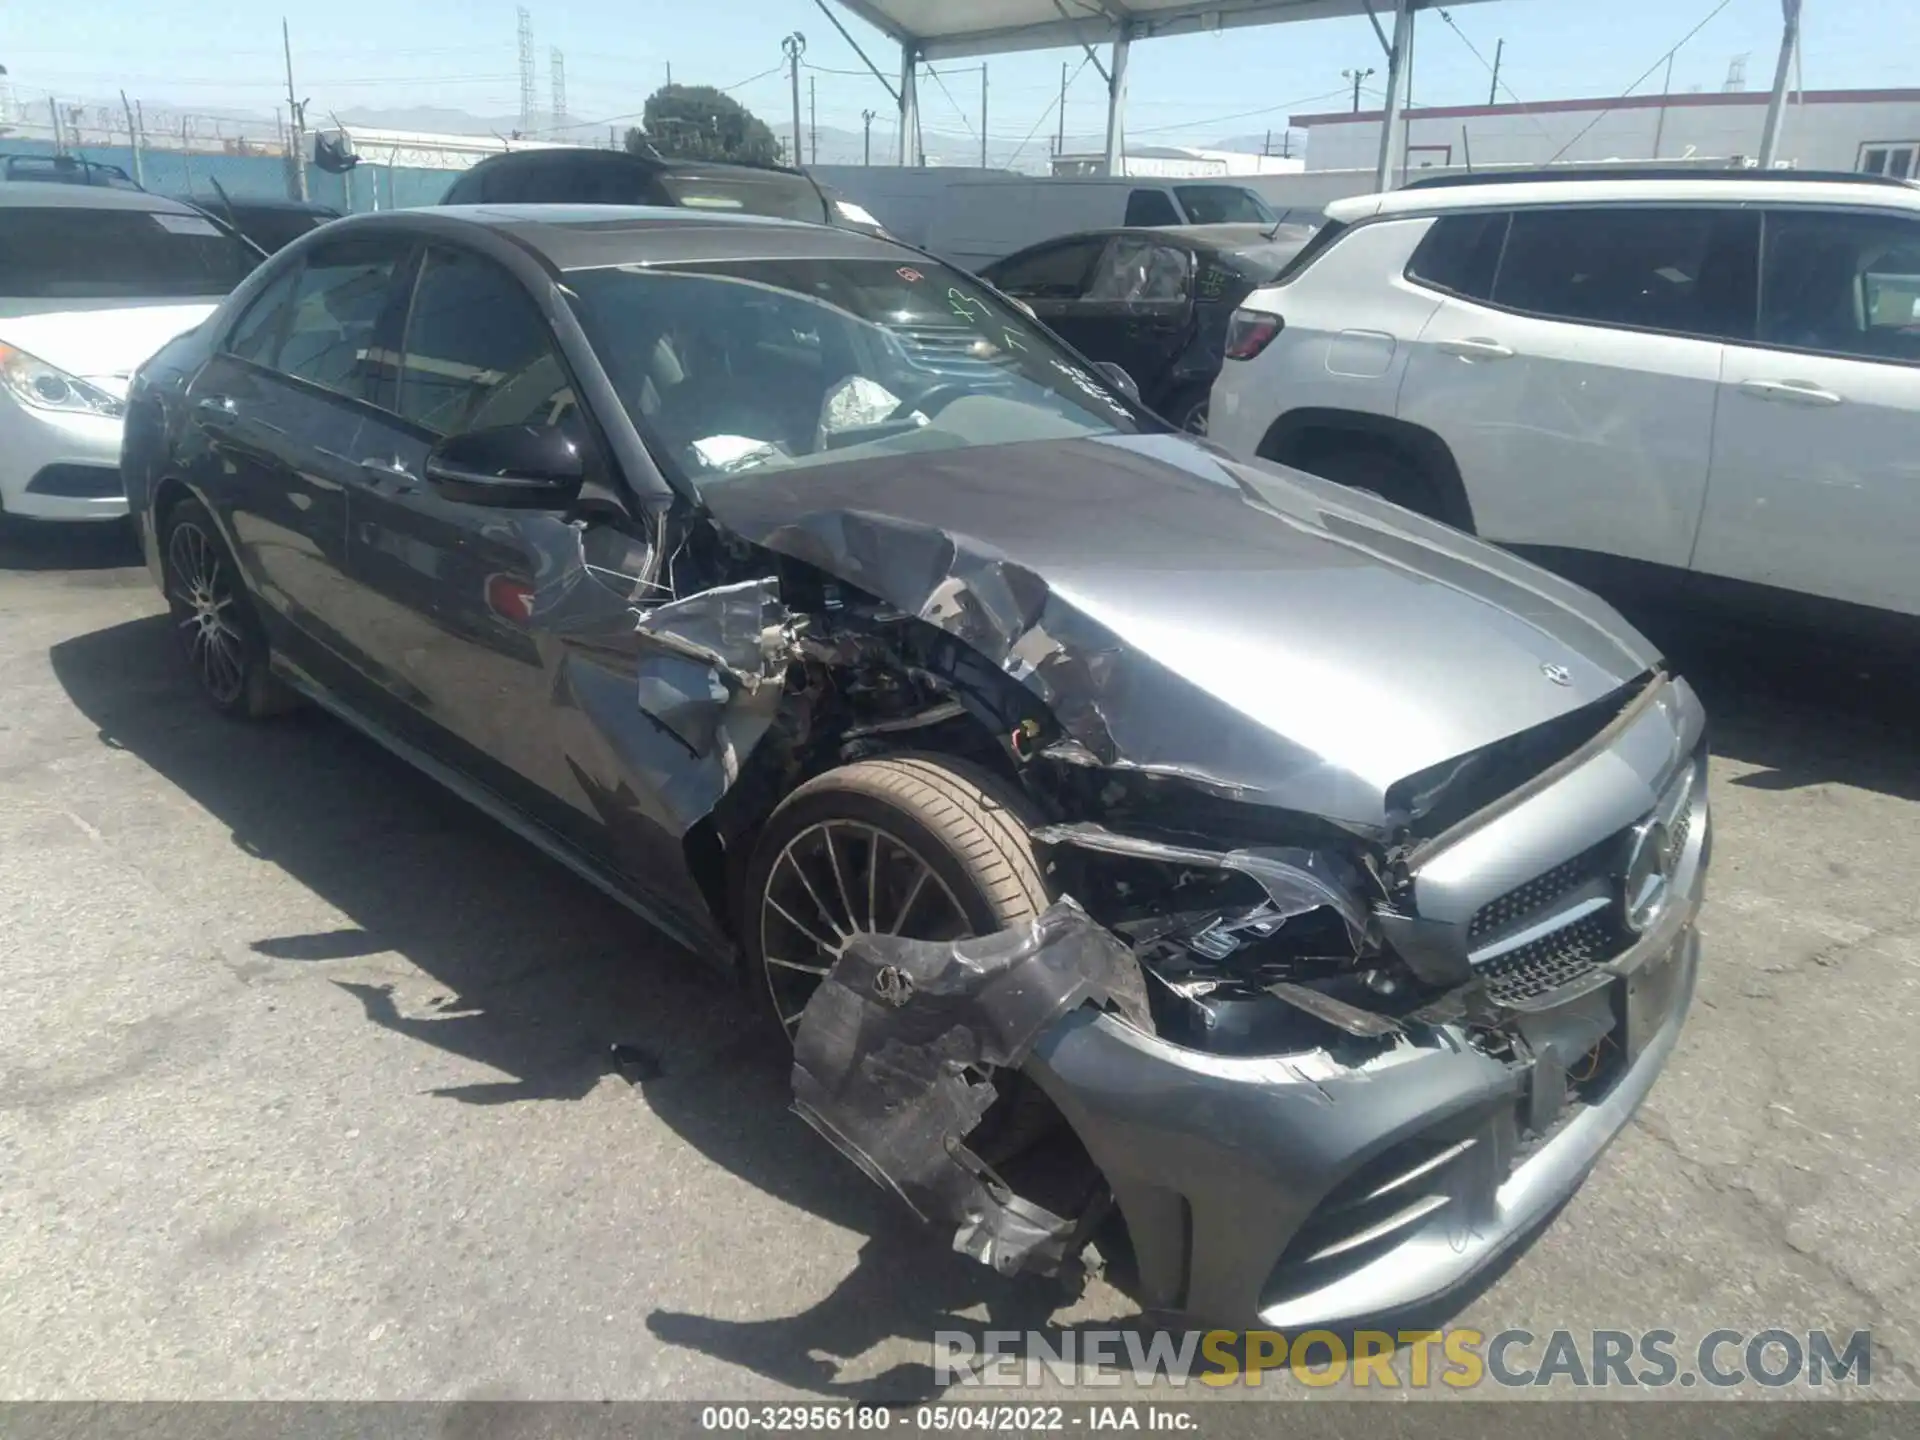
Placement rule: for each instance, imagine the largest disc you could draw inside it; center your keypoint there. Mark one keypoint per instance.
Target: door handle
(216, 410)
(1475, 347)
(390, 471)
(1794, 392)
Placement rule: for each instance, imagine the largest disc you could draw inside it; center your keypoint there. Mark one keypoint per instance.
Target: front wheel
(212, 617)
(922, 847)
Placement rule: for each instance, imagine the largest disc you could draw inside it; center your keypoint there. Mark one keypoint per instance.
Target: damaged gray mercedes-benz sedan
(1140, 850)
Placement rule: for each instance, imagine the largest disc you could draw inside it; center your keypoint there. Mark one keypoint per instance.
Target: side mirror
(522, 467)
(1122, 381)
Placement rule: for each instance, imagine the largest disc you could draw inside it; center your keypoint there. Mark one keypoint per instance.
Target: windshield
(784, 197)
(766, 364)
(73, 252)
(1223, 205)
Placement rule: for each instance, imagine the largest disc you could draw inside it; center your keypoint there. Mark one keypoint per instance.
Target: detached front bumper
(1302, 1192)
(59, 466)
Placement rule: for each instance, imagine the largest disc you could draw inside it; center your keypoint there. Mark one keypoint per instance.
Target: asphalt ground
(305, 1087)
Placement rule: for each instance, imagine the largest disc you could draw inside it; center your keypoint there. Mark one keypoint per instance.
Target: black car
(1112, 828)
(268, 221)
(620, 177)
(64, 170)
(1153, 301)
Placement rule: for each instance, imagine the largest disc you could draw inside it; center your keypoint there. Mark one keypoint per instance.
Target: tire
(213, 618)
(965, 828)
(1187, 410)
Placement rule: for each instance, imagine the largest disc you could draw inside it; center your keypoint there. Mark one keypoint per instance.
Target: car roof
(50, 194)
(587, 237)
(577, 154)
(1221, 239)
(1597, 188)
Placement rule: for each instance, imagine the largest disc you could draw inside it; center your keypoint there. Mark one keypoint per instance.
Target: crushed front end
(1353, 1070)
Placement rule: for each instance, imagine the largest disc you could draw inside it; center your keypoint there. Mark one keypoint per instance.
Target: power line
(1675, 50)
(1051, 104)
(953, 102)
(1237, 115)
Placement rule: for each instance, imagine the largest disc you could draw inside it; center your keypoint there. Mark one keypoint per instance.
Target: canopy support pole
(1391, 137)
(1777, 105)
(1117, 103)
(909, 102)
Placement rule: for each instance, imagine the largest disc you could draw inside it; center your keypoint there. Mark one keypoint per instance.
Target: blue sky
(462, 54)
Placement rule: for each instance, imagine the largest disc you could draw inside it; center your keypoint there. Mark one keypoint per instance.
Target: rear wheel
(925, 848)
(1188, 410)
(213, 618)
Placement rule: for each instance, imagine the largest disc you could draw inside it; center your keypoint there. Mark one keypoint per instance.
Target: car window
(1847, 283)
(337, 304)
(75, 252)
(748, 192)
(477, 354)
(1150, 207)
(1688, 271)
(1050, 272)
(256, 336)
(727, 366)
(1460, 253)
(1223, 205)
(1134, 268)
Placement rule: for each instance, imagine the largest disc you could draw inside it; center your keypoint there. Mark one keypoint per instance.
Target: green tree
(698, 122)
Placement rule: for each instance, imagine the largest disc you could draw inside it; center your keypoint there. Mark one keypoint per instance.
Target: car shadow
(50, 545)
(1804, 710)
(558, 989)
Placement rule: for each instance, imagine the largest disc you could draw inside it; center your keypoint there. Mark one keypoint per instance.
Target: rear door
(1137, 311)
(1816, 456)
(1574, 377)
(282, 407)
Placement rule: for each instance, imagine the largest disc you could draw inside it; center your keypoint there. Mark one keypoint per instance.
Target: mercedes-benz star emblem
(1650, 864)
(1558, 674)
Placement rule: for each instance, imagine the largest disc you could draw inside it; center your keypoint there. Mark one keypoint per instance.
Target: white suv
(1713, 375)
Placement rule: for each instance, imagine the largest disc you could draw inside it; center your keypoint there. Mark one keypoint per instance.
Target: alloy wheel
(200, 585)
(836, 880)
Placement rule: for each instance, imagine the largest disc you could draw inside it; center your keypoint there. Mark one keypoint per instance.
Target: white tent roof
(943, 29)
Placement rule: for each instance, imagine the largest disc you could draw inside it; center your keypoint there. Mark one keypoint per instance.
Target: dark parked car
(1116, 830)
(64, 170)
(1155, 301)
(620, 177)
(269, 222)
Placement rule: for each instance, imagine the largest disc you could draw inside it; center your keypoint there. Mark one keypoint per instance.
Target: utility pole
(983, 114)
(1356, 76)
(794, 46)
(866, 137)
(59, 142)
(813, 123)
(133, 141)
(1266, 145)
(1060, 135)
(299, 127)
(1493, 90)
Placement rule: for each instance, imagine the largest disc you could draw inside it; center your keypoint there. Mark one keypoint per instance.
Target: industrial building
(1877, 131)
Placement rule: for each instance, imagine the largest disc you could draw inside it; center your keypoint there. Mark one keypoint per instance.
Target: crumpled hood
(1263, 632)
(101, 343)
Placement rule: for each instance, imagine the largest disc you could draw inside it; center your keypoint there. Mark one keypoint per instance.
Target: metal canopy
(942, 30)
(945, 29)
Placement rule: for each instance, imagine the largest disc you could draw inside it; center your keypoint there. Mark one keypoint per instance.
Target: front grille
(1551, 962)
(1526, 901)
(77, 482)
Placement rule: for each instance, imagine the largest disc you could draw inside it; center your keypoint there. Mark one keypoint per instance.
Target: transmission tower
(526, 72)
(557, 77)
